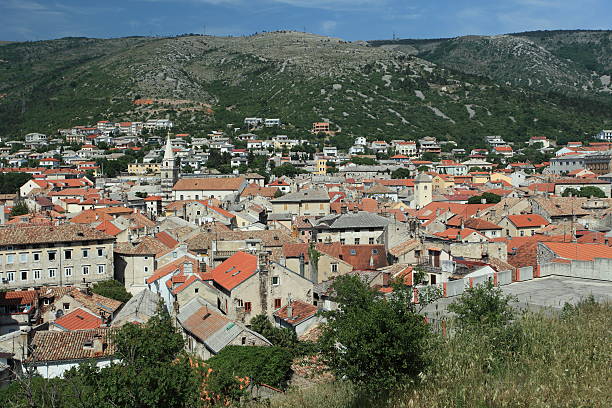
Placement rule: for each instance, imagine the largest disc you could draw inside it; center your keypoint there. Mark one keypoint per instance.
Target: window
(196, 290)
(334, 267)
(85, 270)
(375, 252)
(68, 271)
(247, 306)
(37, 274)
(275, 281)
(10, 258)
(522, 233)
(85, 252)
(52, 272)
(100, 251)
(277, 303)
(23, 257)
(100, 269)
(51, 255)
(10, 276)
(371, 241)
(66, 306)
(243, 341)
(24, 275)
(46, 301)
(146, 269)
(36, 256)
(68, 254)
(357, 240)
(342, 241)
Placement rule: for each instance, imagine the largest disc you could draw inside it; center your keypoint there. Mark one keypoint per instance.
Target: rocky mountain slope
(572, 62)
(383, 91)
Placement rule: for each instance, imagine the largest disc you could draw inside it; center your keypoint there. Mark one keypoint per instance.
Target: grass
(550, 362)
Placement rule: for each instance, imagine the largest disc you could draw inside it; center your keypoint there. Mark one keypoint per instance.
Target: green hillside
(382, 92)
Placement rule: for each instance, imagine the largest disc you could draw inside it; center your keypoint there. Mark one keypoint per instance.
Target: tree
(364, 161)
(21, 208)
(482, 306)
(11, 182)
(287, 170)
(112, 289)
(153, 371)
(400, 173)
(262, 364)
(375, 342)
(570, 192)
(489, 198)
(592, 191)
(281, 337)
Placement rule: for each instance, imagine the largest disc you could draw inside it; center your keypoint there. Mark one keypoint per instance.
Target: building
(304, 202)
(522, 225)
(220, 188)
(207, 330)
(422, 191)
(320, 127)
(66, 254)
(169, 173)
(605, 135)
(352, 228)
(268, 122)
(144, 169)
(55, 352)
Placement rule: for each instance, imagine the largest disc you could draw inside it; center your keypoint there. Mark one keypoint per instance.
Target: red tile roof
(528, 220)
(579, 252)
(79, 319)
(234, 270)
(365, 257)
(300, 311)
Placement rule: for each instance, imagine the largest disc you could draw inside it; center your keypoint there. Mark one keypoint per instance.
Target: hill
(575, 62)
(381, 91)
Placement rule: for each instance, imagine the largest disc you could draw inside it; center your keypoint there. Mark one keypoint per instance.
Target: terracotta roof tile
(70, 345)
(78, 319)
(50, 234)
(234, 270)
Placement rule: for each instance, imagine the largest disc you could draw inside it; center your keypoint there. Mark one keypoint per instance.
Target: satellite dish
(59, 313)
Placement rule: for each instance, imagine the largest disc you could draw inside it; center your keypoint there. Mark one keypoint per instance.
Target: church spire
(168, 153)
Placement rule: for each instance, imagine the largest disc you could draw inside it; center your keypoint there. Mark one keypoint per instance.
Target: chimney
(301, 264)
(289, 309)
(98, 345)
(483, 201)
(187, 268)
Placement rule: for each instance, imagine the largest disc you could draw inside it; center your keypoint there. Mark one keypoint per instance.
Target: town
(247, 222)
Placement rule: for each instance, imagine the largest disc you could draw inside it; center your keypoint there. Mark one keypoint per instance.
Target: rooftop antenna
(394, 36)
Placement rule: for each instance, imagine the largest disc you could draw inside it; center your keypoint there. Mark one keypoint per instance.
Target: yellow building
(142, 169)
(321, 166)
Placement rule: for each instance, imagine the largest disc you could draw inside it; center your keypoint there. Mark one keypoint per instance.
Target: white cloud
(329, 26)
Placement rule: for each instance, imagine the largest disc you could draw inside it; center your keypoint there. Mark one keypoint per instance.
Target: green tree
(287, 170)
(153, 371)
(21, 208)
(401, 173)
(281, 337)
(11, 182)
(112, 289)
(571, 192)
(489, 198)
(263, 365)
(364, 161)
(376, 342)
(484, 305)
(592, 191)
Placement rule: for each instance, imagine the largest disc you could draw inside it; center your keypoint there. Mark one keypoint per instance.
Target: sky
(30, 20)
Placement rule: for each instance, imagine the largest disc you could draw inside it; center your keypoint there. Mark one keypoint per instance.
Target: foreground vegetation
(541, 361)
(380, 351)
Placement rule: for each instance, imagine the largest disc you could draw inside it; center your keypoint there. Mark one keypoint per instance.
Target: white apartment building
(59, 255)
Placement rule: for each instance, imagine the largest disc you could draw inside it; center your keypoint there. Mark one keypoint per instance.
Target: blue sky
(349, 19)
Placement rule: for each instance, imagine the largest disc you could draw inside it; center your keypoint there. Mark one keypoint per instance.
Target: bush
(263, 365)
(375, 342)
(112, 289)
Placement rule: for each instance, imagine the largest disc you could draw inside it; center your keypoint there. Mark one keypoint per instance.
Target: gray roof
(309, 195)
(138, 309)
(361, 219)
(216, 333)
